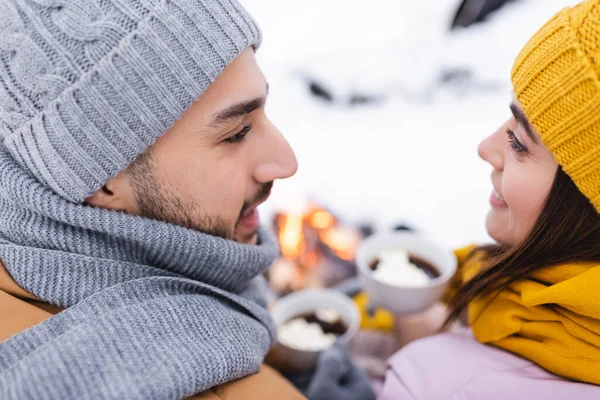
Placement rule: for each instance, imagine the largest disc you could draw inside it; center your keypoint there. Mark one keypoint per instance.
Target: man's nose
(277, 160)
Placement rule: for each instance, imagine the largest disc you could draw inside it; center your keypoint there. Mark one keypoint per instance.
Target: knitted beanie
(86, 86)
(556, 79)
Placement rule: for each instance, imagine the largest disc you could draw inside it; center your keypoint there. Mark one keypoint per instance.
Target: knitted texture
(154, 311)
(556, 79)
(86, 86)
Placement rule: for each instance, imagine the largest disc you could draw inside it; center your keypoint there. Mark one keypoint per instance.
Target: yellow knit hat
(556, 79)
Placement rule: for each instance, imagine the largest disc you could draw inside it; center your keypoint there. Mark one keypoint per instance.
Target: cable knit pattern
(556, 79)
(154, 311)
(86, 86)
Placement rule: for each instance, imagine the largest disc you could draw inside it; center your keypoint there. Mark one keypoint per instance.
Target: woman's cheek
(525, 196)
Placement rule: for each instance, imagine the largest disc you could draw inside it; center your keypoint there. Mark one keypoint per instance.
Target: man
(134, 152)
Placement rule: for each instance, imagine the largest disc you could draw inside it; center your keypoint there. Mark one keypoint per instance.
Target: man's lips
(251, 221)
(250, 218)
(250, 209)
(266, 193)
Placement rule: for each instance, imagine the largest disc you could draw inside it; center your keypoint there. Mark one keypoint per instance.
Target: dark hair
(567, 230)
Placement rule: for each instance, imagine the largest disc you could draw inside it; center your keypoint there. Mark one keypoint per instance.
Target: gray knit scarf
(154, 311)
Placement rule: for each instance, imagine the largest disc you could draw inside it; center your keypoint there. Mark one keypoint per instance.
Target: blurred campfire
(317, 250)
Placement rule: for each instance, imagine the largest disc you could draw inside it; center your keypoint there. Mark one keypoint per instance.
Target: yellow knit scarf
(552, 319)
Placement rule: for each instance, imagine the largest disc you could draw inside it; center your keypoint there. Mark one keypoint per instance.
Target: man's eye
(240, 136)
(514, 142)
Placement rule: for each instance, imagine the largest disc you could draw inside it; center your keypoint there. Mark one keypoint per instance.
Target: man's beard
(158, 203)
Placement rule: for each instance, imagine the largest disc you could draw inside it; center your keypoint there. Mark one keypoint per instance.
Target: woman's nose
(492, 151)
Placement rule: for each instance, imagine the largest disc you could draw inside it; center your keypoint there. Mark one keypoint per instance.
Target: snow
(411, 157)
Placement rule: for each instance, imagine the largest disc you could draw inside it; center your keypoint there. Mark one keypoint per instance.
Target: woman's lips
(497, 201)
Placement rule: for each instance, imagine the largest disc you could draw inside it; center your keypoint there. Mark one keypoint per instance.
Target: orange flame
(321, 219)
(291, 236)
(342, 241)
(298, 231)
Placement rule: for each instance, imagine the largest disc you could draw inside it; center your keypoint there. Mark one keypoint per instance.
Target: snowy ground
(413, 156)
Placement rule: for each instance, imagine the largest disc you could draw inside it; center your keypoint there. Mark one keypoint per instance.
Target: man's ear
(116, 195)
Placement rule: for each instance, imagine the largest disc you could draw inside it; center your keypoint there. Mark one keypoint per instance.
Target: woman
(533, 298)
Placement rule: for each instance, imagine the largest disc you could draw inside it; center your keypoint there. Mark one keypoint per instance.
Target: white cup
(403, 300)
(289, 359)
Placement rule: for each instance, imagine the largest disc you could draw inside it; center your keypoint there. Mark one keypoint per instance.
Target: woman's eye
(514, 142)
(240, 136)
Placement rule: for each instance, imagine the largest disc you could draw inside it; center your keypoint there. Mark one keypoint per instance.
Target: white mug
(398, 299)
(302, 302)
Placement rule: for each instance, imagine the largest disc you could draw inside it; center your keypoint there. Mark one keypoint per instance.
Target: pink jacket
(454, 366)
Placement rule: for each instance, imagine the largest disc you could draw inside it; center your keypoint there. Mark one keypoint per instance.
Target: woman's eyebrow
(522, 120)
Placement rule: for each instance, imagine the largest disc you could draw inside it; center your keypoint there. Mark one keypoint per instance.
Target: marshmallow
(301, 335)
(328, 315)
(395, 268)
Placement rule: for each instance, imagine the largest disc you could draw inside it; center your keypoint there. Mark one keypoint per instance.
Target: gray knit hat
(86, 86)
